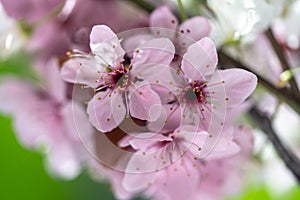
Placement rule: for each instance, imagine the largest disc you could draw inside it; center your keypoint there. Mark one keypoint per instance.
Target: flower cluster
(194, 97)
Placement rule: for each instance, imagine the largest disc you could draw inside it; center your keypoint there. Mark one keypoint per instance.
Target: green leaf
(18, 64)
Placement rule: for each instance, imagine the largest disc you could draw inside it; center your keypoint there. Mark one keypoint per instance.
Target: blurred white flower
(287, 27)
(11, 37)
(237, 18)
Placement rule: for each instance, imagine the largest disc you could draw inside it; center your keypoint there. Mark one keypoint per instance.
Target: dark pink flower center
(195, 93)
(121, 77)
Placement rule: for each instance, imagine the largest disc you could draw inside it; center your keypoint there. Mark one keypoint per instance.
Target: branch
(290, 159)
(280, 54)
(182, 10)
(282, 93)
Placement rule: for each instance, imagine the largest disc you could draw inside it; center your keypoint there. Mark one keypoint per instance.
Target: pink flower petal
(131, 43)
(142, 100)
(166, 22)
(167, 182)
(180, 176)
(82, 71)
(156, 51)
(106, 45)
(161, 75)
(171, 116)
(200, 59)
(29, 11)
(193, 139)
(62, 160)
(115, 178)
(14, 94)
(56, 85)
(244, 137)
(106, 113)
(38, 124)
(239, 84)
(75, 120)
(137, 182)
(196, 28)
(143, 141)
(225, 147)
(33, 127)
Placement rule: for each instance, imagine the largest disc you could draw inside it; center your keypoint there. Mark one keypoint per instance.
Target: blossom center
(121, 78)
(117, 78)
(196, 92)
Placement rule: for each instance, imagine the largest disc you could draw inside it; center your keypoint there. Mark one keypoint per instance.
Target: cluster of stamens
(195, 92)
(115, 79)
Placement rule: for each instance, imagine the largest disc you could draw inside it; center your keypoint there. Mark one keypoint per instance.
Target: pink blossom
(44, 120)
(205, 93)
(119, 88)
(165, 164)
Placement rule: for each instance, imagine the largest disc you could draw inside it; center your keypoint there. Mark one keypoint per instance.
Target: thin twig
(289, 158)
(281, 93)
(182, 10)
(285, 65)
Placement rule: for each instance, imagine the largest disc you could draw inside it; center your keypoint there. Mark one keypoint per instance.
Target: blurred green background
(23, 176)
